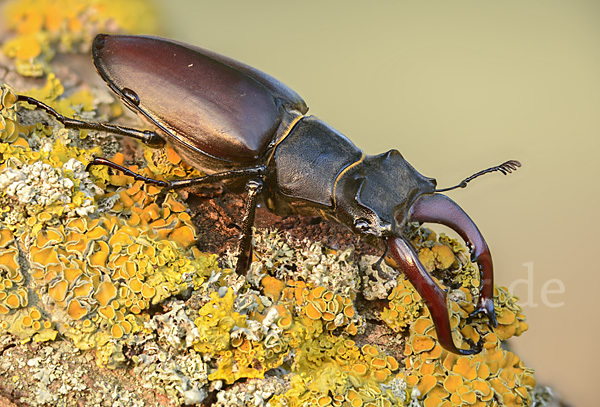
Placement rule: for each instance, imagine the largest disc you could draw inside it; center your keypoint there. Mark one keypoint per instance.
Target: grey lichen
(545, 397)
(253, 393)
(374, 285)
(183, 377)
(280, 255)
(58, 374)
(41, 185)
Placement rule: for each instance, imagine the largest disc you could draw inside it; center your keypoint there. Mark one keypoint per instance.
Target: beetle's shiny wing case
(208, 104)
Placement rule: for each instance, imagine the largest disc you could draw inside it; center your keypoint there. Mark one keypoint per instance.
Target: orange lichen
(116, 331)
(76, 309)
(334, 309)
(169, 163)
(105, 293)
(58, 290)
(439, 256)
(8, 261)
(404, 307)
(272, 287)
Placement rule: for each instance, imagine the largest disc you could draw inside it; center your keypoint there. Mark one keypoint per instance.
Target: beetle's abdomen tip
(99, 41)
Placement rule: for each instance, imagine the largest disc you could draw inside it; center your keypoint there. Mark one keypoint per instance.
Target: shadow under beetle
(234, 122)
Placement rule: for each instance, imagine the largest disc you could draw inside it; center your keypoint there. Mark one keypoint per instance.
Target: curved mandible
(438, 208)
(435, 299)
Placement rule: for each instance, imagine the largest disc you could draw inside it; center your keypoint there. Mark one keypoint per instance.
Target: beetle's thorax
(305, 165)
(317, 170)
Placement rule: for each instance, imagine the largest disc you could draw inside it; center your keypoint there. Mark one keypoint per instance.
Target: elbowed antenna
(504, 168)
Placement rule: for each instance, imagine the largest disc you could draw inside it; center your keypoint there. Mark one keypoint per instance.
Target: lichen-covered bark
(109, 297)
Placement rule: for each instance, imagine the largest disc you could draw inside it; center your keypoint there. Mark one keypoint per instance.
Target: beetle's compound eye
(131, 96)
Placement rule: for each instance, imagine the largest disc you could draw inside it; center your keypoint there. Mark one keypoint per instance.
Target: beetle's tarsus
(486, 306)
(126, 171)
(377, 264)
(148, 137)
(90, 165)
(41, 105)
(474, 348)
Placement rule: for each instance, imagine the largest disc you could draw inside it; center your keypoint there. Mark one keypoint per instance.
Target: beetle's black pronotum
(236, 123)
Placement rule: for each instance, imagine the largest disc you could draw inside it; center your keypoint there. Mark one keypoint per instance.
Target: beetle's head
(378, 196)
(374, 195)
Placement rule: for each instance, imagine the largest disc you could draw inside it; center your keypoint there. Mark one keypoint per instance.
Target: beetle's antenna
(504, 168)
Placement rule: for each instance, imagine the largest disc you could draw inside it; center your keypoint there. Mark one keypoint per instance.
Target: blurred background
(458, 87)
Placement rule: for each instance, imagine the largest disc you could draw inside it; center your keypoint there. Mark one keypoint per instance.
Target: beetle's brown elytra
(234, 122)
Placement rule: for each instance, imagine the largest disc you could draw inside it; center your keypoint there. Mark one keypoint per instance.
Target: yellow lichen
(82, 262)
(40, 28)
(272, 287)
(329, 368)
(335, 368)
(169, 163)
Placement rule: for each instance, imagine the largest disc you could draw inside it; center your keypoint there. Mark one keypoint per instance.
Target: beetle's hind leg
(251, 172)
(147, 137)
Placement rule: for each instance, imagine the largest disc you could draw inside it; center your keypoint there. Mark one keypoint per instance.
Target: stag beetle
(235, 123)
